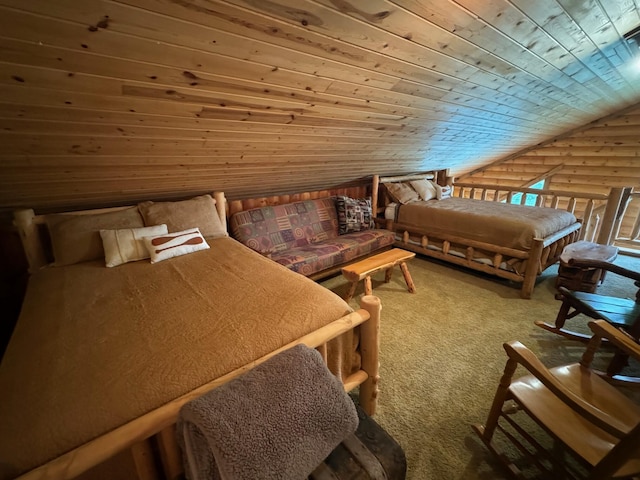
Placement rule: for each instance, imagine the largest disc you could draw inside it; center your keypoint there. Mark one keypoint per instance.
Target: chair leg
(561, 318)
(618, 362)
(485, 432)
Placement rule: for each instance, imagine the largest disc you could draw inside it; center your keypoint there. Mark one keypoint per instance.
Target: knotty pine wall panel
(113, 101)
(592, 159)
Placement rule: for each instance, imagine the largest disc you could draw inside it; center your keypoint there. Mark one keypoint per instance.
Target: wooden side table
(370, 265)
(583, 279)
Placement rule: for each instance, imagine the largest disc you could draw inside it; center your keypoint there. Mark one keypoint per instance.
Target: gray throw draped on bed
(279, 420)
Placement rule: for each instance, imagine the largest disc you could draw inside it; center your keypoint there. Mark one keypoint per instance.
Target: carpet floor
(441, 357)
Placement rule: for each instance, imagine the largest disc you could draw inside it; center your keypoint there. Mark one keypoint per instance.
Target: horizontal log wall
(593, 159)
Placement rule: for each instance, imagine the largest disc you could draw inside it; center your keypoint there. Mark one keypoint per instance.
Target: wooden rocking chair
(619, 312)
(586, 416)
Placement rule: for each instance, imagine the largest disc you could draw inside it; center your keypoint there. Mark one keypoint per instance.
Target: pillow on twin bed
(162, 247)
(76, 238)
(127, 245)
(401, 192)
(197, 212)
(443, 192)
(424, 188)
(354, 214)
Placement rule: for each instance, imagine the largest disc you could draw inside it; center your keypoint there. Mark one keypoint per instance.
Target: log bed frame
(526, 265)
(155, 430)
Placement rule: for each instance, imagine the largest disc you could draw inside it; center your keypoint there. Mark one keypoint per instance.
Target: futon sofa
(314, 237)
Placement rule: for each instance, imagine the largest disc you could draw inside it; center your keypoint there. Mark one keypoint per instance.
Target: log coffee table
(583, 279)
(370, 265)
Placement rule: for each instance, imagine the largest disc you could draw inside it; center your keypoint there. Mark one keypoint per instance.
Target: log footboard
(158, 426)
(511, 264)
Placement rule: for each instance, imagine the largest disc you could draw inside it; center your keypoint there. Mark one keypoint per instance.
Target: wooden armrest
(525, 357)
(617, 337)
(610, 267)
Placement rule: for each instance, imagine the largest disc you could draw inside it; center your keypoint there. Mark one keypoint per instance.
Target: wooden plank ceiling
(103, 101)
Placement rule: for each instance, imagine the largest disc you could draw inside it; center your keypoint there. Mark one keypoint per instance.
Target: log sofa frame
(353, 191)
(155, 431)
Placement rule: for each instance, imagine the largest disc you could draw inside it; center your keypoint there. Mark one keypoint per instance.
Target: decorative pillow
(401, 192)
(197, 212)
(354, 215)
(127, 245)
(76, 238)
(425, 189)
(174, 244)
(443, 192)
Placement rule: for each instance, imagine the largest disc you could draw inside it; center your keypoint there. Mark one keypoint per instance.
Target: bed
(102, 359)
(514, 242)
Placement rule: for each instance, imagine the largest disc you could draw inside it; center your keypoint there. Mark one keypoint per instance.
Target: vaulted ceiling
(107, 100)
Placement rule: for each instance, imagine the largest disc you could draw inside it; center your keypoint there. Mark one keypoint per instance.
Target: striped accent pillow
(175, 244)
(127, 244)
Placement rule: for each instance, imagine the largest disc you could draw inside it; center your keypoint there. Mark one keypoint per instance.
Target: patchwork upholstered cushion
(76, 238)
(127, 244)
(303, 236)
(354, 215)
(273, 229)
(162, 247)
(314, 258)
(198, 212)
(401, 192)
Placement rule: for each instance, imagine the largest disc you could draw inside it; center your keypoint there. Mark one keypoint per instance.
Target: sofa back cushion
(275, 229)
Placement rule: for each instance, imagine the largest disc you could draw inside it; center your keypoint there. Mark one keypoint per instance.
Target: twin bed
(102, 359)
(509, 241)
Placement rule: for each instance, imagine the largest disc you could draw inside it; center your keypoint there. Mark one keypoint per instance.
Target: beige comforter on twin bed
(502, 224)
(96, 347)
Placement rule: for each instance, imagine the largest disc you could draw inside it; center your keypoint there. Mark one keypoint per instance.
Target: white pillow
(175, 244)
(126, 244)
(443, 192)
(425, 188)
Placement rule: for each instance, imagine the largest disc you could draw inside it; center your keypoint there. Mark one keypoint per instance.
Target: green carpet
(441, 357)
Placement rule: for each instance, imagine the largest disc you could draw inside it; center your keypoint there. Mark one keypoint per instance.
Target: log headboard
(34, 237)
(378, 181)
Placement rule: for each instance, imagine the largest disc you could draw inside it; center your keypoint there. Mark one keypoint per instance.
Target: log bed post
(369, 349)
(28, 230)
(374, 196)
(532, 268)
(221, 207)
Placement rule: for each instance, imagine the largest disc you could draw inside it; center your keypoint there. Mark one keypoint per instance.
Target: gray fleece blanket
(277, 421)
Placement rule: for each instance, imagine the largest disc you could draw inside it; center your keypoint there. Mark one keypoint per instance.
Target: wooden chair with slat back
(588, 418)
(622, 313)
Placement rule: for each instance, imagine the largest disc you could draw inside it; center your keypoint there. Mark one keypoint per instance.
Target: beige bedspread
(506, 225)
(96, 347)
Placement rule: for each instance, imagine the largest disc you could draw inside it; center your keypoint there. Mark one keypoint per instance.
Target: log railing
(629, 238)
(601, 214)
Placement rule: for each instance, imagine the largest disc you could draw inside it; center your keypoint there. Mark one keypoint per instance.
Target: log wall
(591, 159)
